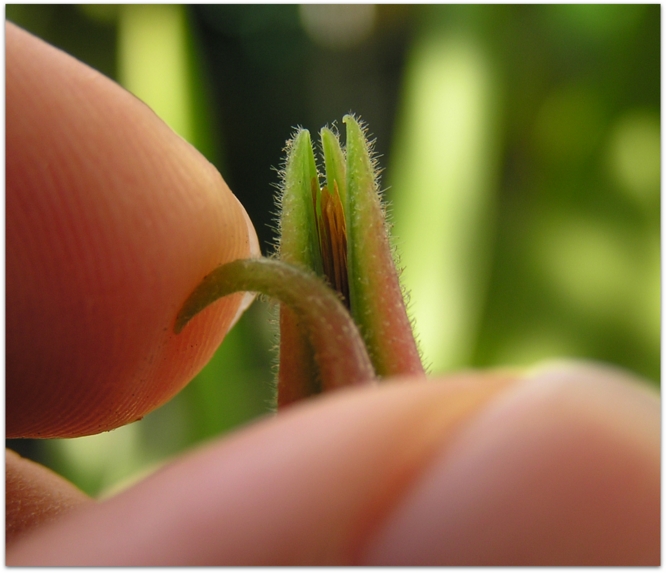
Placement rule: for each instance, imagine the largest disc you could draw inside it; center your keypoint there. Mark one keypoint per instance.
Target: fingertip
(34, 495)
(302, 488)
(112, 220)
(562, 469)
(478, 468)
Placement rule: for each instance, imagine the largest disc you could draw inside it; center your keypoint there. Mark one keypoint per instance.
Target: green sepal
(334, 163)
(300, 181)
(377, 300)
(298, 375)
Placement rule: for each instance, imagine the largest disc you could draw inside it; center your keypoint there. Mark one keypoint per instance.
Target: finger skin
(565, 470)
(340, 480)
(35, 495)
(112, 220)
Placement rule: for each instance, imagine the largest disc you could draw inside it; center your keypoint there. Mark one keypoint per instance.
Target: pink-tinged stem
(298, 377)
(339, 349)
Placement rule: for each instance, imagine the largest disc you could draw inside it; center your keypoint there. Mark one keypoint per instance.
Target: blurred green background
(521, 155)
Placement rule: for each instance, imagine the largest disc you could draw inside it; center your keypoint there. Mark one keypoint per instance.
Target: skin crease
(111, 222)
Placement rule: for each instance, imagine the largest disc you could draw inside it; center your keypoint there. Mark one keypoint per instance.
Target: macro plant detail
(343, 318)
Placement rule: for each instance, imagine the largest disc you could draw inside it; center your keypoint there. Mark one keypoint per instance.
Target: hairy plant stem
(339, 350)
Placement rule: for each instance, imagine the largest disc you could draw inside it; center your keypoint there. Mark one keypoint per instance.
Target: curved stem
(339, 349)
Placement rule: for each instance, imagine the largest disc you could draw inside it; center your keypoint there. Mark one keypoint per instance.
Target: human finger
(563, 470)
(111, 221)
(35, 495)
(558, 467)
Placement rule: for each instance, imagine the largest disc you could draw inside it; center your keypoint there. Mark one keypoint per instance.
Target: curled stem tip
(339, 349)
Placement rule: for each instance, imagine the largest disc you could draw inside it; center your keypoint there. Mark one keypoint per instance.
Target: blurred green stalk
(443, 182)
